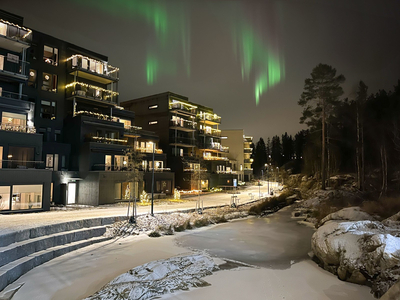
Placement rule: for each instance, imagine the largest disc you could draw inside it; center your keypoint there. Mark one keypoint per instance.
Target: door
(71, 192)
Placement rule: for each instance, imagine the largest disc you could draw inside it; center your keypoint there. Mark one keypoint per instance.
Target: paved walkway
(16, 222)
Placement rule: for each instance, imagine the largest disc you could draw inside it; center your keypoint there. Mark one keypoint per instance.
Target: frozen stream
(276, 241)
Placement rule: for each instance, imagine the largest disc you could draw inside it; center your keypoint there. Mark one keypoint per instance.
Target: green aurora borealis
(168, 51)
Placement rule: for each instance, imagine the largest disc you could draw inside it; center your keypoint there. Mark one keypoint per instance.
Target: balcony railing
(18, 69)
(212, 132)
(149, 150)
(105, 140)
(209, 117)
(16, 32)
(11, 95)
(183, 141)
(247, 161)
(215, 158)
(226, 172)
(184, 124)
(132, 129)
(21, 164)
(248, 150)
(78, 89)
(93, 66)
(215, 147)
(97, 116)
(17, 128)
(180, 106)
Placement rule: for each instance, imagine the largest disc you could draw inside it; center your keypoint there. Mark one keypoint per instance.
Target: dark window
(50, 55)
(48, 110)
(21, 157)
(49, 82)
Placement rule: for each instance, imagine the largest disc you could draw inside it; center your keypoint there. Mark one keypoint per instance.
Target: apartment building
(24, 183)
(64, 100)
(239, 152)
(189, 135)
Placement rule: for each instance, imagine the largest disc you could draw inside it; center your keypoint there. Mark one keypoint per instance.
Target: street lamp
(267, 169)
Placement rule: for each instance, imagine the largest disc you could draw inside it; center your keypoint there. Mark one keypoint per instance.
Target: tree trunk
(384, 171)
(358, 154)
(323, 175)
(362, 159)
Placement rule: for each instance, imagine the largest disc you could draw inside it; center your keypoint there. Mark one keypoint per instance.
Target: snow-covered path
(15, 222)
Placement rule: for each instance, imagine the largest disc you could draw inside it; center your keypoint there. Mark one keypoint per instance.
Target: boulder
(348, 214)
(363, 252)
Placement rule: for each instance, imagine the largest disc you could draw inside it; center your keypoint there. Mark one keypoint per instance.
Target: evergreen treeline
(360, 135)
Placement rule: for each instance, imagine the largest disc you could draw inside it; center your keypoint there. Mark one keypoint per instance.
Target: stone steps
(15, 269)
(21, 251)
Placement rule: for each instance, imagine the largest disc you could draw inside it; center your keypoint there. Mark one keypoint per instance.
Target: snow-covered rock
(348, 214)
(360, 252)
(159, 277)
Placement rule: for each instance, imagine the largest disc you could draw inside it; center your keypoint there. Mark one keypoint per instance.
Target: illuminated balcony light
(90, 86)
(20, 27)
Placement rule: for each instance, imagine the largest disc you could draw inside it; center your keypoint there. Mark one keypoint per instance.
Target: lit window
(4, 197)
(153, 106)
(32, 78)
(50, 55)
(26, 196)
(153, 122)
(49, 161)
(49, 82)
(48, 110)
(224, 137)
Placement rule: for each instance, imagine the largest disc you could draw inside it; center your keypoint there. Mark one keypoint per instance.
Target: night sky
(246, 59)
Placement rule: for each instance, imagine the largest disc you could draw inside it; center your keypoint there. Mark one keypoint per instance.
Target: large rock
(348, 214)
(363, 252)
(159, 277)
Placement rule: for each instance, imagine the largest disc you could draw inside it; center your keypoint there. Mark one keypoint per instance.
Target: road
(21, 221)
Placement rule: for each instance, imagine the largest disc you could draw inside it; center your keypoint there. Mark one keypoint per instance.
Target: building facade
(189, 135)
(61, 119)
(239, 152)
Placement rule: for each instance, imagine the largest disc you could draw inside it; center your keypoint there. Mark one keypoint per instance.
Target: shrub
(179, 228)
(154, 234)
(187, 225)
(270, 203)
(201, 222)
(384, 207)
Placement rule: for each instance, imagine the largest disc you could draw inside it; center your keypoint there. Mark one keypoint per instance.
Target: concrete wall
(234, 140)
(88, 189)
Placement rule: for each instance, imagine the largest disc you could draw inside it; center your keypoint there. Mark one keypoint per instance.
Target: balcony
(214, 147)
(17, 128)
(17, 70)
(182, 142)
(97, 116)
(215, 158)
(21, 164)
(105, 140)
(248, 150)
(212, 119)
(149, 150)
(182, 107)
(132, 131)
(183, 125)
(91, 93)
(91, 69)
(14, 37)
(247, 161)
(213, 132)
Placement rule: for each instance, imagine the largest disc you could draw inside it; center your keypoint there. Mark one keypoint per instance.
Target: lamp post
(267, 169)
(152, 185)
